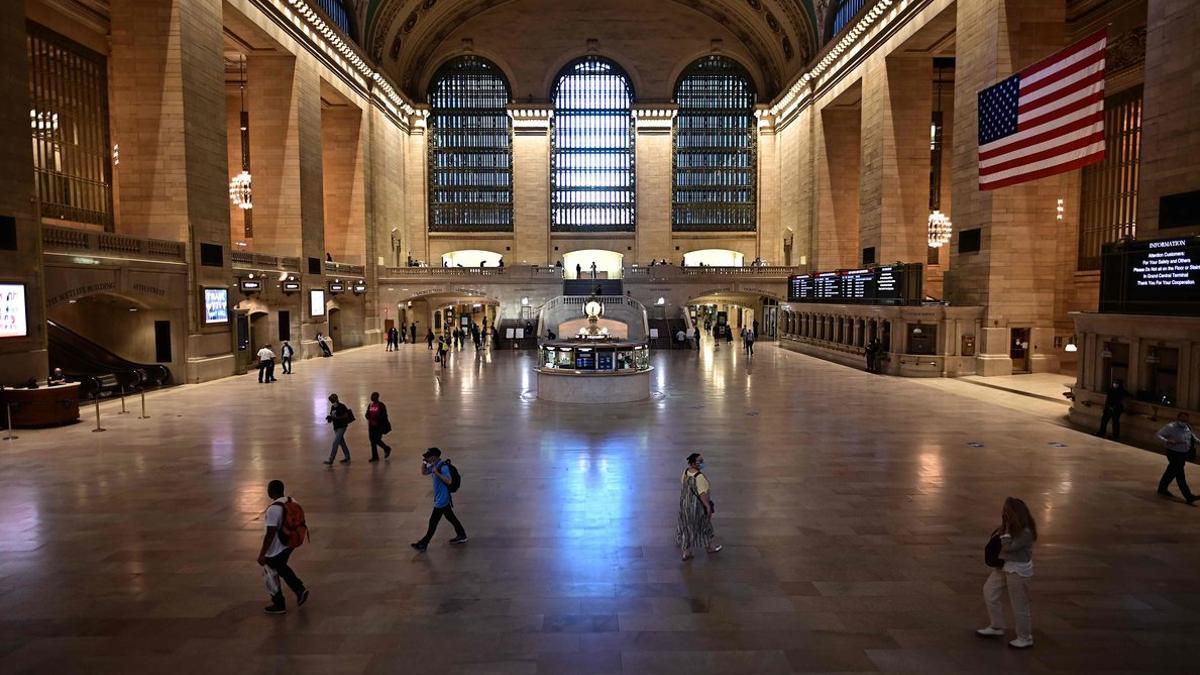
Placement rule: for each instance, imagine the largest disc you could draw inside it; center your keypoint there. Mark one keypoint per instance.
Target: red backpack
(293, 530)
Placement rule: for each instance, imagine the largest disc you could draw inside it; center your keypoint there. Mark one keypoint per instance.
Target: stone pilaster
(654, 148)
(835, 235)
(770, 236)
(342, 172)
(531, 183)
(416, 195)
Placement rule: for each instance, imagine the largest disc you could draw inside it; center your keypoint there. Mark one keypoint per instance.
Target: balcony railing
(512, 272)
(667, 272)
(247, 260)
(344, 269)
(70, 240)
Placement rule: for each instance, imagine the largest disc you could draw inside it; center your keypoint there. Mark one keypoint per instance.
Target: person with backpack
(1014, 557)
(443, 352)
(378, 426)
(286, 531)
(696, 508)
(446, 481)
(340, 417)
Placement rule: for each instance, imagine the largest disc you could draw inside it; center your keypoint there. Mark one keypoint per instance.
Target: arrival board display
(1151, 277)
(900, 284)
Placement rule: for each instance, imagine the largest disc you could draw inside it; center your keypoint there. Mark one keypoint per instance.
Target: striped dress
(694, 527)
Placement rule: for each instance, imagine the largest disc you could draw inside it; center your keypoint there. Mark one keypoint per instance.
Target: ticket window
(1160, 376)
(1116, 364)
(922, 339)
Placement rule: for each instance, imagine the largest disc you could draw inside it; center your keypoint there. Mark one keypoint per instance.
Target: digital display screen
(13, 322)
(316, 300)
(216, 305)
(883, 285)
(335, 287)
(604, 361)
(248, 285)
(585, 359)
(1152, 277)
(291, 286)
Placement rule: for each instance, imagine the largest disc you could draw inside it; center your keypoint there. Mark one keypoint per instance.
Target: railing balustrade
(58, 238)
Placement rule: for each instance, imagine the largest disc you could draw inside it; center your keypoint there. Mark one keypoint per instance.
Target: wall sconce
(1071, 346)
(524, 302)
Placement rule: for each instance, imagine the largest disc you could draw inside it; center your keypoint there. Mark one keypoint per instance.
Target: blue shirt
(441, 491)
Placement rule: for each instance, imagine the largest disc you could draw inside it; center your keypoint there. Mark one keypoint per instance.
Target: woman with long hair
(696, 508)
(1016, 534)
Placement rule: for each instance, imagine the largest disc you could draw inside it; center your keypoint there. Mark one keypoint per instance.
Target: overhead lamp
(1071, 346)
(661, 301)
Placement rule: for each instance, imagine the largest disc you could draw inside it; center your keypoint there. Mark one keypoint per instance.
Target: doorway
(335, 327)
(1019, 350)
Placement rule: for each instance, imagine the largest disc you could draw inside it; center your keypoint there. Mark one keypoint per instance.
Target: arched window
(841, 14)
(470, 148)
(591, 161)
(340, 14)
(715, 176)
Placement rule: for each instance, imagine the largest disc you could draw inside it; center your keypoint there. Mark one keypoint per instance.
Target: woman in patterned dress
(694, 527)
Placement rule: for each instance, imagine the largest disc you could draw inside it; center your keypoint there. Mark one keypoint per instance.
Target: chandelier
(239, 185)
(939, 229)
(239, 190)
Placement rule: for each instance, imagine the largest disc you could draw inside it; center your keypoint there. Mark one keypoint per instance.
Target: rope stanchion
(123, 410)
(143, 416)
(98, 427)
(9, 435)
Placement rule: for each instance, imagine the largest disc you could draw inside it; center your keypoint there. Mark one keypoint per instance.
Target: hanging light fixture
(239, 185)
(939, 226)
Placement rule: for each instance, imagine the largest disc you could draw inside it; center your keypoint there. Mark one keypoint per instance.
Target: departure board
(899, 284)
(1151, 277)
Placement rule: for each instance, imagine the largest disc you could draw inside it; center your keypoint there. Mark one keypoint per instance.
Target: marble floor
(854, 509)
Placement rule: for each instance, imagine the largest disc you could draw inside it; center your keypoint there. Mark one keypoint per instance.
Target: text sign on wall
(899, 284)
(1151, 277)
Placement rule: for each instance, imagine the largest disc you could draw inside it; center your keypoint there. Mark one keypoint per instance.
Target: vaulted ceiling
(777, 36)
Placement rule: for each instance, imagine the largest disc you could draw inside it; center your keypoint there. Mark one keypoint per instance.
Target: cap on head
(432, 453)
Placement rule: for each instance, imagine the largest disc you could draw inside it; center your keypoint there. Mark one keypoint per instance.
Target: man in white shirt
(266, 364)
(286, 352)
(274, 554)
(1180, 443)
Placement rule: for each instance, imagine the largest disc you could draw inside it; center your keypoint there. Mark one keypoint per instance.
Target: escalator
(99, 370)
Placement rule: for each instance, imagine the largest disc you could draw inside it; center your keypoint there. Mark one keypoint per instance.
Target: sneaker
(1021, 643)
(302, 597)
(419, 546)
(990, 632)
(716, 548)
(345, 461)
(459, 540)
(275, 609)
(328, 462)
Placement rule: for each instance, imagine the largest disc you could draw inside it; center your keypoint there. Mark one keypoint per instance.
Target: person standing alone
(1180, 443)
(266, 363)
(283, 534)
(340, 417)
(1114, 406)
(285, 356)
(433, 465)
(696, 508)
(1017, 534)
(378, 426)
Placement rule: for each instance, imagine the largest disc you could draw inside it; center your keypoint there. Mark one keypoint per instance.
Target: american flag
(1046, 119)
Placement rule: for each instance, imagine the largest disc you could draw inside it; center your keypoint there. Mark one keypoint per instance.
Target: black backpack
(455, 477)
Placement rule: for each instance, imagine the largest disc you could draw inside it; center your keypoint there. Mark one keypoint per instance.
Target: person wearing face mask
(1114, 406)
(696, 508)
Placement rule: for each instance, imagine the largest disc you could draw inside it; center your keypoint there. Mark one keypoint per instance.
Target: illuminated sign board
(216, 305)
(13, 321)
(1151, 277)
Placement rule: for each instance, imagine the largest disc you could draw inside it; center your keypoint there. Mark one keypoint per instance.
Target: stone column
(653, 172)
(20, 357)
(169, 120)
(835, 239)
(416, 187)
(531, 184)
(897, 106)
(770, 233)
(343, 189)
(1013, 274)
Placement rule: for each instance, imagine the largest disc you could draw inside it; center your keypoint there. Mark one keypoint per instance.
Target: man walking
(275, 551)
(266, 362)
(1114, 406)
(285, 355)
(412, 331)
(1180, 443)
(443, 505)
(340, 417)
(750, 341)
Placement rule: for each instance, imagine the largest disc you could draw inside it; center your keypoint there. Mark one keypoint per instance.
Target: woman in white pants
(1017, 534)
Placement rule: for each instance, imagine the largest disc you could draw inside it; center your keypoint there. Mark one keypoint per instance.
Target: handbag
(437, 358)
(991, 551)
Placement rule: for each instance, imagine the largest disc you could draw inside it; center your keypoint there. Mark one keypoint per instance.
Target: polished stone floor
(853, 507)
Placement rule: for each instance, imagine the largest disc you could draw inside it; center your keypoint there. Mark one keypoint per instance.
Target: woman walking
(377, 426)
(696, 509)
(1016, 535)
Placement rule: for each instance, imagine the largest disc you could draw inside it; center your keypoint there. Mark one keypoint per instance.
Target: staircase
(593, 287)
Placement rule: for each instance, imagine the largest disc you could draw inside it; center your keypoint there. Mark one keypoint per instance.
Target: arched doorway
(471, 258)
(714, 257)
(578, 264)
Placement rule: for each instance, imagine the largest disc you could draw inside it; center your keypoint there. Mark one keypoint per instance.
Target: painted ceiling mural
(400, 35)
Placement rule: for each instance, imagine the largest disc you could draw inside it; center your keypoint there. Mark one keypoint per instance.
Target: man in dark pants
(274, 554)
(285, 356)
(872, 352)
(1180, 443)
(433, 465)
(412, 332)
(266, 364)
(1114, 405)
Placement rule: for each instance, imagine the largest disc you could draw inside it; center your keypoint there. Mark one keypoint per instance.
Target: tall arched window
(591, 162)
(470, 148)
(715, 177)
